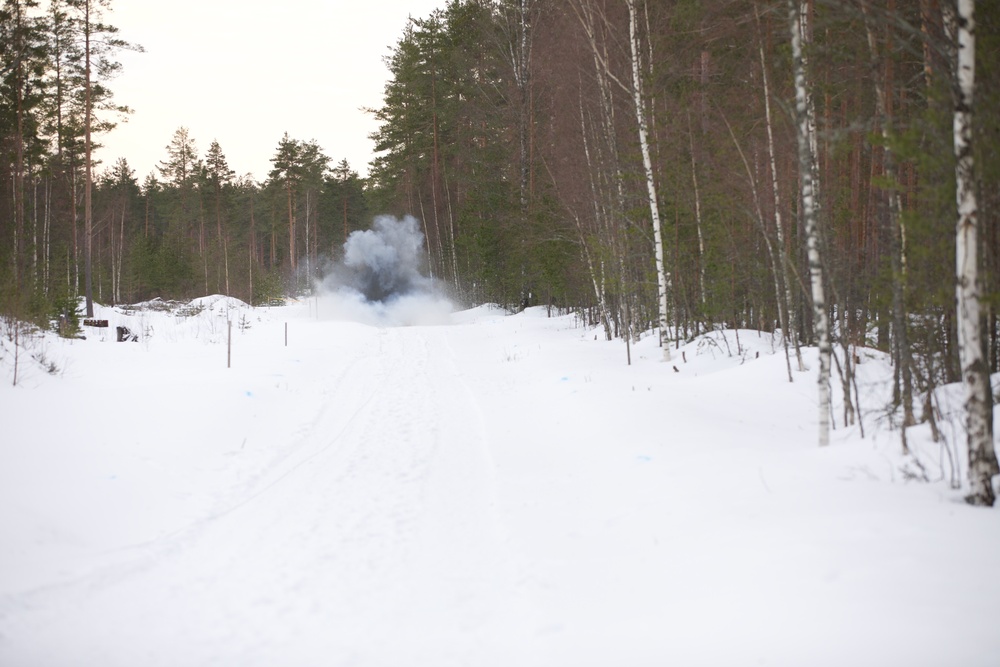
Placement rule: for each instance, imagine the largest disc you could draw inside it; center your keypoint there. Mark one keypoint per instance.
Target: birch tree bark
(975, 373)
(647, 163)
(607, 178)
(806, 165)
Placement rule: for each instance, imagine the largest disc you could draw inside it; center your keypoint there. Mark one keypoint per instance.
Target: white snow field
(470, 489)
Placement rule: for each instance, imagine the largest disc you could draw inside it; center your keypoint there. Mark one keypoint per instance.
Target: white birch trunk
(975, 373)
(805, 33)
(654, 208)
(789, 333)
(807, 162)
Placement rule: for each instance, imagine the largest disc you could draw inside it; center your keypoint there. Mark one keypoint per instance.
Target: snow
(473, 489)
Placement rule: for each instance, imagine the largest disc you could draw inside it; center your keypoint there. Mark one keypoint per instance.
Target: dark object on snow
(95, 323)
(125, 334)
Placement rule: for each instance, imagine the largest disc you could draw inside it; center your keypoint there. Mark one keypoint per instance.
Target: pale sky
(243, 72)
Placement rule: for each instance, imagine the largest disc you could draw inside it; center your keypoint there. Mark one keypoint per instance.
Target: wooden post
(229, 344)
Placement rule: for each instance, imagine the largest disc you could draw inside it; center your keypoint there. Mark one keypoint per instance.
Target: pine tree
(23, 51)
(100, 45)
(219, 176)
(288, 172)
(180, 167)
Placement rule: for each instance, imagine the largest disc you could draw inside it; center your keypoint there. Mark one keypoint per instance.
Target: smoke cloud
(384, 262)
(380, 279)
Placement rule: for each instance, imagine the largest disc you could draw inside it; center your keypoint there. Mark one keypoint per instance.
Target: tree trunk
(291, 227)
(806, 165)
(697, 217)
(600, 294)
(201, 239)
(308, 237)
(975, 375)
(654, 207)
(88, 219)
(221, 238)
(253, 245)
(901, 343)
(788, 327)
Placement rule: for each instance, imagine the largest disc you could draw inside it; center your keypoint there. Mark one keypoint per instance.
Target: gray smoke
(384, 262)
(380, 279)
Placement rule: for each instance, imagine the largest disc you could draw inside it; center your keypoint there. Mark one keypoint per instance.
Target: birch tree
(647, 163)
(975, 373)
(807, 171)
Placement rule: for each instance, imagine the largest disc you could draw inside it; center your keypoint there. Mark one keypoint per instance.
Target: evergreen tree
(22, 47)
(287, 172)
(344, 205)
(220, 176)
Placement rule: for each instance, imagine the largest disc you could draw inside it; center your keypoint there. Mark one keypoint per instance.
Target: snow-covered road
(497, 491)
(374, 537)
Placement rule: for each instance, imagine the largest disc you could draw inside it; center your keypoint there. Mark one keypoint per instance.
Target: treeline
(71, 227)
(198, 228)
(509, 128)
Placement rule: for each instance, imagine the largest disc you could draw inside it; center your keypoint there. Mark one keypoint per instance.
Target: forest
(818, 167)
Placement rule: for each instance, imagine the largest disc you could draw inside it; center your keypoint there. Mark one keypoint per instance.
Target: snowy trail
(500, 491)
(374, 540)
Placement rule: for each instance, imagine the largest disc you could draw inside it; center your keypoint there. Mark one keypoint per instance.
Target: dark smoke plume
(379, 280)
(384, 262)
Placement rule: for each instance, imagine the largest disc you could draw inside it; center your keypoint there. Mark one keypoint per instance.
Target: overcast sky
(243, 72)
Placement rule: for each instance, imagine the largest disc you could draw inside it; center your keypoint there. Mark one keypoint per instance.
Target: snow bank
(500, 490)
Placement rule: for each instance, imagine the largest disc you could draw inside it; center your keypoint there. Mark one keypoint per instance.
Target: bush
(64, 316)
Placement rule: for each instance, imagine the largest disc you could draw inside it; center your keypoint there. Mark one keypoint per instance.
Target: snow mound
(218, 304)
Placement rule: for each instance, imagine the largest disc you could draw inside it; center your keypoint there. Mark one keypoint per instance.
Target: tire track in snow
(132, 559)
(171, 570)
(373, 541)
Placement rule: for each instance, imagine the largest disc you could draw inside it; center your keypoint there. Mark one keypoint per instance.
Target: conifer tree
(219, 176)
(100, 45)
(288, 172)
(22, 47)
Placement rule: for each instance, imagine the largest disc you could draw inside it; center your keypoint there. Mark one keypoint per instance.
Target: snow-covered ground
(477, 489)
